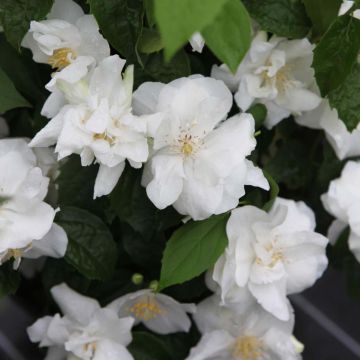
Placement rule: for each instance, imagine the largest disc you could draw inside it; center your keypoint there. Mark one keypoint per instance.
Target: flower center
(61, 58)
(187, 144)
(275, 258)
(283, 78)
(146, 310)
(247, 348)
(90, 347)
(104, 136)
(15, 254)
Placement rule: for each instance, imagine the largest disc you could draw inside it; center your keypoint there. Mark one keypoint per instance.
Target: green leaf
(76, 182)
(16, 15)
(132, 205)
(336, 53)
(193, 249)
(178, 20)
(274, 191)
(146, 346)
(291, 165)
(229, 35)
(9, 97)
(9, 279)
(23, 71)
(150, 41)
(91, 249)
(322, 13)
(121, 22)
(346, 99)
(150, 12)
(156, 69)
(286, 18)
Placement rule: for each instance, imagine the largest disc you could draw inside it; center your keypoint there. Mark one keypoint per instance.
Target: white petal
(354, 245)
(66, 10)
(167, 182)
(272, 297)
(174, 318)
(255, 176)
(197, 42)
(109, 350)
(48, 135)
(146, 97)
(107, 179)
(78, 307)
(53, 244)
(335, 230)
(213, 345)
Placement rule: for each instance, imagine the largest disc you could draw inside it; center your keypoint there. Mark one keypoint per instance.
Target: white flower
(4, 128)
(158, 312)
(197, 42)
(277, 73)
(253, 335)
(68, 40)
(271, 254)
(26, 221)
(346, 6)
(344, 142)
(86, 331)
(198, 162)
(97, 123)
(342, 201)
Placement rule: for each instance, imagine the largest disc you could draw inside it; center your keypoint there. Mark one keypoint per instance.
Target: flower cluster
(194, 141)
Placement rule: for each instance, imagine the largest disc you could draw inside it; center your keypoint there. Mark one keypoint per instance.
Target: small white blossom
(68, 40)
(26, 221)
(276, 72)
(271, 255)
(342, 201)
(158, 312)
(251, 335)
(344, 142)
(85, 332)
(97, 123)
(198, 163)
(346, 6)
(197, 42)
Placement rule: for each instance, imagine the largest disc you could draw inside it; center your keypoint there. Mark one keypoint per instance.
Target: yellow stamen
(146, 310)
(105, 137)
(61, 58)
(92, 347)
(275, 258)
(247, 348)
(187, 145)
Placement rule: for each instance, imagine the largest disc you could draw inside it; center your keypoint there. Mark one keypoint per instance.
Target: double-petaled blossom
(276, 72)
(68, 40)
(158, 312)
(344, 142)
(342, 201)
(270, 255)
(26, 221)
(251, 335)
(85, 332)
(198, 162)
(97, 123)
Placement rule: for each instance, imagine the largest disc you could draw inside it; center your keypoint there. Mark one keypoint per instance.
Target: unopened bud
(137, 279)
(154, 285)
